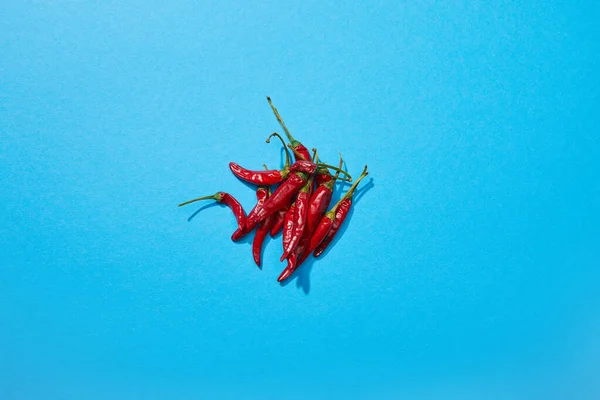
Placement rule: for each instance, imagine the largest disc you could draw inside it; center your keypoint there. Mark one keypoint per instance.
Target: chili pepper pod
(263, 227)
(309, 242)
(267, 177)
(290, 267)
(300, 254)
(299, 220)
(278, 200)
(278, 221)
(322, 174)
(301, 152)
(232, 203)
(294, 259)
(262, 193)
(288, 225)
(310, 167)
(321, 197)
(324, 234)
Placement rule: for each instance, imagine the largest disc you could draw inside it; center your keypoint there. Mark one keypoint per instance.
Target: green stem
(315, 155)
(326, 165)
(285, 129)
(339, 170)
(215, 196)
(287, 153)
(350, 191)
(337, 173)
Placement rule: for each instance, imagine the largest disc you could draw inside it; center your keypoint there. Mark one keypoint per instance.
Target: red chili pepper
(268, 177)
(325, 227)
(292, 261)
(279, 216)
(291, 266)
(273, 176)
(331, 222)
(278, 200)
(288, 225)
(300, 215)
(231, 202)
(320, 199)
(310, 167)
(278, 221)
(301, 151)
(263, 228)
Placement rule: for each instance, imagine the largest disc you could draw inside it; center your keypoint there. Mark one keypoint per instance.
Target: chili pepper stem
(280, 120)
(349, 179)
(337, 173)
(215, 196)
(350, 191)
(316, 155)
(287, 153)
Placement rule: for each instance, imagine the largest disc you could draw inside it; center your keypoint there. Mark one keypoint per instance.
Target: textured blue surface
(469, 268)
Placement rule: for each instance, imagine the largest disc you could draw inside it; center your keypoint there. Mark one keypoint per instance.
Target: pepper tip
(284, 275)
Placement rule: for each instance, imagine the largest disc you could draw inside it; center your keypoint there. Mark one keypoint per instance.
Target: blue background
(469, 268)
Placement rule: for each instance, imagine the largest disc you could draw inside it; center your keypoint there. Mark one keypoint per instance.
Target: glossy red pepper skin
(278, 200)
(304, 248)
(262, 177)
(319, 201)
(300, 216)
(326, 228)
(233, 204)
(323, 176)
(300, 152)
(278, 221)
(259, 237)
(263, 228)
(288, 225)
(331, 222)
(307, 167)
(262, 193)
(340, 215)
(290, 267)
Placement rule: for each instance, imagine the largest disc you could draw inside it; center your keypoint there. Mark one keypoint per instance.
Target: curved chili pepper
(319, 202)
(273, 176)
(320, 199)
(325, 227)
(292, 265)
(300, 215)
(331, 222)
(269, 177)
(310, 167)
(232, 203)
(288, 225)
(299, 256)
(278, 200)
(307, 167)
(278, 221)
(262, 193)
(263, 228)
(322, 176)
(301, 152)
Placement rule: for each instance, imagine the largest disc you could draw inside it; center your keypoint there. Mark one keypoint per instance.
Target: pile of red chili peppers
(293, 200)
